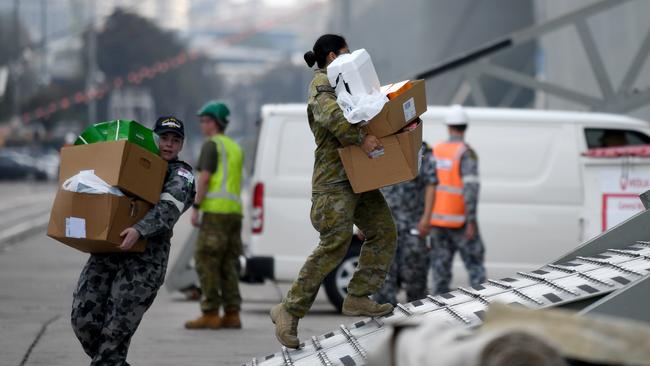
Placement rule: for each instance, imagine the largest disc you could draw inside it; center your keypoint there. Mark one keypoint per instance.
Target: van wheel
(336, 282)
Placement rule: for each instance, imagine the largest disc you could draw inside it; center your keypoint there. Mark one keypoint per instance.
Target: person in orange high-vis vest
(453, 218)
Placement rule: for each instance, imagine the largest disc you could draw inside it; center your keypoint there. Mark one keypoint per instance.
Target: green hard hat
(216, 110)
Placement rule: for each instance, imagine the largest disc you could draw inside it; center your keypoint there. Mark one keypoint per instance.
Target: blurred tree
(11, 47)
(74, 115)
(129, 42)
(284, 83)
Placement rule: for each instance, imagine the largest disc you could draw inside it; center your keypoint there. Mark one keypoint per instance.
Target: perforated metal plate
(552, 285)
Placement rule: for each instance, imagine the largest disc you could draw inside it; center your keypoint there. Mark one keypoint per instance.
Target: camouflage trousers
(409, 270)
(112, 295)
(217, 252)
(445, 244)
(332, 215)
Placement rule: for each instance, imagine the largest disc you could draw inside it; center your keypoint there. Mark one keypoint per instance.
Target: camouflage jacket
(157, 225)
(471, 182)
(331, 131)
(406, 200)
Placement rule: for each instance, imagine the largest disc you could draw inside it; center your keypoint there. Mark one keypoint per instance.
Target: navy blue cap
(169, 124)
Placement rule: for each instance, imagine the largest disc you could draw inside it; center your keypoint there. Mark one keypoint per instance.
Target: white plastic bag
(87, 182)
(358, 108)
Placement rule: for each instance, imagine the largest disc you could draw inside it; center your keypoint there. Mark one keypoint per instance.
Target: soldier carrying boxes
(120, 281)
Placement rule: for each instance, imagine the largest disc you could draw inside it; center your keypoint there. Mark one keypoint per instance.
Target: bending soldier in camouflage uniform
(465, 237)
(411, 204)
(335, 208)
(116, 289)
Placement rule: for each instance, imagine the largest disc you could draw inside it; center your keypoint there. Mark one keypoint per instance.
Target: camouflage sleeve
(428, 169)
(471, 182)
(176, 197)
(328, 113)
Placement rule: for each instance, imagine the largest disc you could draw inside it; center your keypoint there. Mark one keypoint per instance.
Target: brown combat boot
(286, 326)
(209, 320)
(364, 306)
(231, 319)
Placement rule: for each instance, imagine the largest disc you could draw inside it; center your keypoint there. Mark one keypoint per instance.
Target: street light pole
(15, 61)
(44, 52)
(92, 64)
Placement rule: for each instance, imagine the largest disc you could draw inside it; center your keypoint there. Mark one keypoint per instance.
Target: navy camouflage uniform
(447, 241)
(115, 289)
(411, 264)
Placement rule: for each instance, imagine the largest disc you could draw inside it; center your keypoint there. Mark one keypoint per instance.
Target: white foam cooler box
(355, 70)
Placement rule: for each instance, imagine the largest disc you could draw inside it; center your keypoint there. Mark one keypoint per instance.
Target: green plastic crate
(92, 134)
(117, 130)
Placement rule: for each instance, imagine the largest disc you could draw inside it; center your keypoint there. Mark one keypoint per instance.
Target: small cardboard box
(92, 223)
(401, 110)
(127, 166)
(399, 163)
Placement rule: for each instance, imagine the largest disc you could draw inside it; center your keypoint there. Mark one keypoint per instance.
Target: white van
(535, 201)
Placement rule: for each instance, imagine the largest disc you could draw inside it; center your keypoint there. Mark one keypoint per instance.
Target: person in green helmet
(219, 245)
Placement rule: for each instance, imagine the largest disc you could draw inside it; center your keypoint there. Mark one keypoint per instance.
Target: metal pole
(92, 63)
(346, 17)
(44, 40)
(15, 60)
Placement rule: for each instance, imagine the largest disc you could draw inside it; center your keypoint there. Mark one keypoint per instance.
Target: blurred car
(17, 165)
(47, 161)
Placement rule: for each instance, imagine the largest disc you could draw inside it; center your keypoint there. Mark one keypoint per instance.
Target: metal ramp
(609, 274)
(476, 65)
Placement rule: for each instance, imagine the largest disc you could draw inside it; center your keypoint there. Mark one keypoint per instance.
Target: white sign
(75, 227)
(409, 109)
(618, 207)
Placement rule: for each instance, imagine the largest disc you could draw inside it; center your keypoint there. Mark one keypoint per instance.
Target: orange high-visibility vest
(449, 206)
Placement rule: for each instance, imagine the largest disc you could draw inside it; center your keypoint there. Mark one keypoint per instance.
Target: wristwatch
(195, 205)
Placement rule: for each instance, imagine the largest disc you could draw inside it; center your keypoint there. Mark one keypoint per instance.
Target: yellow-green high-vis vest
(223, 195)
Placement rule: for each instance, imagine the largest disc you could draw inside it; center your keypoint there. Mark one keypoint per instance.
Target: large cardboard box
(399, 163)
(401, 110)
(93, 222)
(125, 165)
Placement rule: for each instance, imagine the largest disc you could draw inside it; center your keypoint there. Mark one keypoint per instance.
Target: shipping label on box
(409, 109)
(75, 227)
(93, 222)
(399, 111)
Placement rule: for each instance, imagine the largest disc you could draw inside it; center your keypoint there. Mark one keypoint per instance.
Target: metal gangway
(607, 275)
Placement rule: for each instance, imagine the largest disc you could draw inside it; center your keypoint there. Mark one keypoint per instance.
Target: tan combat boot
(231, 319)
(209, 320)
(363, 306)
(286, 326)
